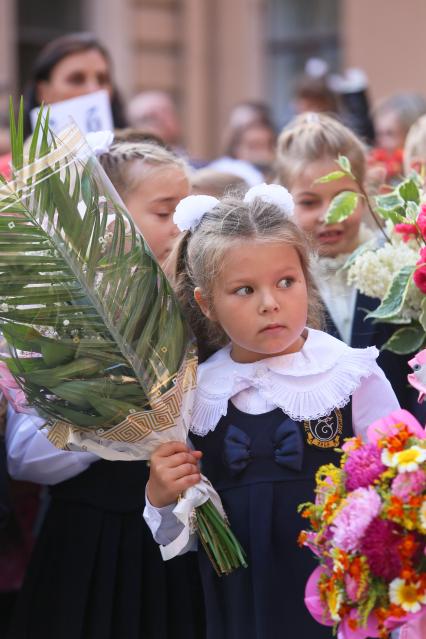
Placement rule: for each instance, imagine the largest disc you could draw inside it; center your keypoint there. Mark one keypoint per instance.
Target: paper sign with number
(90, 112)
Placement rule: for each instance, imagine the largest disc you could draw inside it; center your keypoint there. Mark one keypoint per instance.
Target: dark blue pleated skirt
(96, 572)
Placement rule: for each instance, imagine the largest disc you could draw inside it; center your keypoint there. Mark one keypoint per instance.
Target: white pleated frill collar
(306, 385)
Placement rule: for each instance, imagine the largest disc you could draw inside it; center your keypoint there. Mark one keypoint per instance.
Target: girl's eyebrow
(246, 279)
(164, 199)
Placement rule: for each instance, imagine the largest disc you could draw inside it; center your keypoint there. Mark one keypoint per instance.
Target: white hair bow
(99, 141)
(190, 211)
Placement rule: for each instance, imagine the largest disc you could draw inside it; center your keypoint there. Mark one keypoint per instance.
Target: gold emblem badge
(324, 432)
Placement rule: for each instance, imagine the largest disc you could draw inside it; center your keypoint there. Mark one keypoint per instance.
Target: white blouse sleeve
(32, 457)
(165, 526)
(374, 398)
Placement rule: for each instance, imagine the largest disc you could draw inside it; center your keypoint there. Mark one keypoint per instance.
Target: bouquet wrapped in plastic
(368, 529)
(98, 344)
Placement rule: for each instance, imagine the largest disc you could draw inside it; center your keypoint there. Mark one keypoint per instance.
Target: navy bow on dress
(286, 447)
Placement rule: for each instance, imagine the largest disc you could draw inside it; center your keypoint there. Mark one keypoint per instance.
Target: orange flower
(408, 547)
(395, 510)
(353, 623)
(301, 540)
(395, 443)
(330, 506)
(416, 501)
(355, 568)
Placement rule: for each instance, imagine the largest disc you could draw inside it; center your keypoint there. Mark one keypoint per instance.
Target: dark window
(42, 21)
(296, 31)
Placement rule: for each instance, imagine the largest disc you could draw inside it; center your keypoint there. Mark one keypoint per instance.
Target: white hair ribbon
(191, 209)
(274, 194)
(100, 141)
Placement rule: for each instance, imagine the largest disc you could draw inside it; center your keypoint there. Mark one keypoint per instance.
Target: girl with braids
(96, 572)
(151, 180)
(271, 405)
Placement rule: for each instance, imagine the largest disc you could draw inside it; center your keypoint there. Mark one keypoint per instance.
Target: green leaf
(82, 367)
(395, 296)
(330, 177)
(341, 207)
(345, 165)
(409, 191)
(422, 318)
(412, 211)
(393, 215)
(35, 138)
(24, 364)
(390, 201)
(406, 340)
(55, 353)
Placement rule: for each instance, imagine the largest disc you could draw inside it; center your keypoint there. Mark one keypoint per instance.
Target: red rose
(419, 276)
(421, 220)
(408, 231)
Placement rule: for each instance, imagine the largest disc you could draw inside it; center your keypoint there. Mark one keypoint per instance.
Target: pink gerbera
(380, 546)
(363, 466)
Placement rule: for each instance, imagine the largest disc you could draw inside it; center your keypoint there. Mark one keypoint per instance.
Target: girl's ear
(202, 303)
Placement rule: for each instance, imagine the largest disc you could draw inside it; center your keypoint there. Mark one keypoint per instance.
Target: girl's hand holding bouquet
(173, 469)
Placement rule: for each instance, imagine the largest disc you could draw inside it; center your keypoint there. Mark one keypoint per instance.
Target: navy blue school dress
(263, 467)
(96, 572)
(265, 428)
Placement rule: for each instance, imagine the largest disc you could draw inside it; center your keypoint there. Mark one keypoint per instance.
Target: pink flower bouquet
(368, 529)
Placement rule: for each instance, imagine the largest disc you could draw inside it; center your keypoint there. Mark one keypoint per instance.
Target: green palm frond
(80, 288)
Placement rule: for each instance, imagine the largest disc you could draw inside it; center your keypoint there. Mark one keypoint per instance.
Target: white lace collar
(306, 385)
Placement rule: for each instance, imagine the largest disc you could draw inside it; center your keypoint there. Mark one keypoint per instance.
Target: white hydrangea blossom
(373, 271)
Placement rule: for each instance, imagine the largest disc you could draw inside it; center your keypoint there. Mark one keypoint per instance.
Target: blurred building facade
(210, 54)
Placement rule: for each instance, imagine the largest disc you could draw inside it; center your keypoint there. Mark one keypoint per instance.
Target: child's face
(152, 204)
(311, 203)
(390, 133)
(260, 300)
(257, 145)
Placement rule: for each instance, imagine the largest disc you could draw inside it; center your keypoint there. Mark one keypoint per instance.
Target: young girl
(307, 150)
(96, 572)
(151, 180)
(271, 406)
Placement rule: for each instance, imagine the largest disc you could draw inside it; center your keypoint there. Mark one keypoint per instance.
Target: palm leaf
(80, 289)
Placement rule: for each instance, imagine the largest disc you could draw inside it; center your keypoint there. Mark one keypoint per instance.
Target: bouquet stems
(219, 542)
